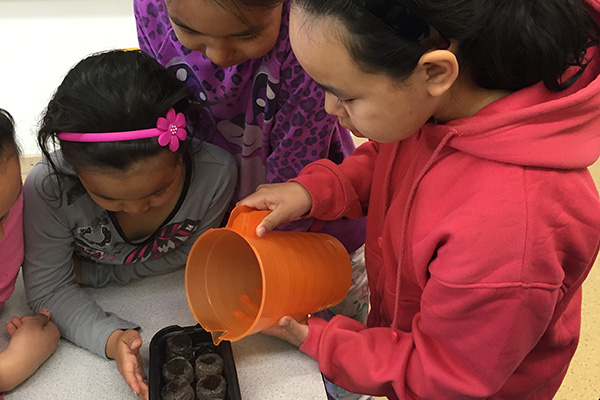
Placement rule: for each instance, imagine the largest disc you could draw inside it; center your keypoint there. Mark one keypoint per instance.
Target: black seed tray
(201, 343)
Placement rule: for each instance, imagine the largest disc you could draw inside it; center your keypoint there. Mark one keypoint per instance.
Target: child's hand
(248, 310)
(124, 347)
(288, 202)
(33, 338)
(287, 328)
(290, 330)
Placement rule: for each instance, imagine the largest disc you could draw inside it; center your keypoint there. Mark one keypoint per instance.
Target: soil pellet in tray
(179, 345)
(209, 363)
(211, 387)
(177, 389)
(178, 367)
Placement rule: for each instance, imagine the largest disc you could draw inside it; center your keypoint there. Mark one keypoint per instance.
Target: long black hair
(8, 144)
(502, 44)
(111, 91)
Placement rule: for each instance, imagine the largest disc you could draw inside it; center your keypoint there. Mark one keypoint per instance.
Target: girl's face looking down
(371, 105)
(225, 36)
(10, 182)
(149, 184)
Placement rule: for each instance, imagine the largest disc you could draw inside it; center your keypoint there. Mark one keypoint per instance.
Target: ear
(441, 69)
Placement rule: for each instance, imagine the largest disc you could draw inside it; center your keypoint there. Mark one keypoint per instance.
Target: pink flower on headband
(172, 128)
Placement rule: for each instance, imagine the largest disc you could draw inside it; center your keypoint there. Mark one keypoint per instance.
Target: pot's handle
(244, 220)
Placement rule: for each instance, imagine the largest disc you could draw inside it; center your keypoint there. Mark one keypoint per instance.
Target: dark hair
(502, 44)
(111, 92)
(8, 144)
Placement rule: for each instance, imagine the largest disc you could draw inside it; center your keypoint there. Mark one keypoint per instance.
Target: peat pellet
(177, 389)
(178, 367)
(179, 346)
(207, 364)
(211, 387)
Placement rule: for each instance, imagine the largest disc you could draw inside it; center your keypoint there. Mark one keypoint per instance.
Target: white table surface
(267, 368)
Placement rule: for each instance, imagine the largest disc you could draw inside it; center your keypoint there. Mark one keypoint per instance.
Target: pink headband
(170, 130)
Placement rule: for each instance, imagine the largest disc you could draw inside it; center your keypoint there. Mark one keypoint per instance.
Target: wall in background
(40, 40)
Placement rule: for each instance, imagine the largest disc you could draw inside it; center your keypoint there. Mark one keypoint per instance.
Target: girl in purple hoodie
(265, 110)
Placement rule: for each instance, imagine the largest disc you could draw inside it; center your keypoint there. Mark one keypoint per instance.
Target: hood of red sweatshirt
(534, 126)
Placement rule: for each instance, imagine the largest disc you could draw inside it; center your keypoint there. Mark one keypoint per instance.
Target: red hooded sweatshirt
(480, 233)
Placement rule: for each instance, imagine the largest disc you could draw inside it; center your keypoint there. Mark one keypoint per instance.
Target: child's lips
(137, 214)
(350, 128)
(353, 130)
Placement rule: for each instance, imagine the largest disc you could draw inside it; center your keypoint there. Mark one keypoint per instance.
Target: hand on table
(33, 338)
(287, 201)
(124, 348)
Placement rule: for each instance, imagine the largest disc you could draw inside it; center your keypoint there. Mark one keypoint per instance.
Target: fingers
(287, 202)
(257, 199)
(293, 331)
(135, 344)
(15, 323)
(249, 308)
(280, 215)
(270, 222)
(242, 317)
(249, 305)
(135, 382)
(290, 330)
(43, 317)
(129, 363)
(144, 388)
(12, 325)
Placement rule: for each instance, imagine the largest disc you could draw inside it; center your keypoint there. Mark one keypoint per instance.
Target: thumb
(266, 225)
(135, 343)
(43, 316)
(295, 332)
(132, 339)
(271, 221)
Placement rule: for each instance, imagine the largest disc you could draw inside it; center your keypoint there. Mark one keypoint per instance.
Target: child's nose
(220, 53)
(333, 107)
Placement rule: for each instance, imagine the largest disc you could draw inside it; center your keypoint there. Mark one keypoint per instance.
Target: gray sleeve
(98, 275)
(48, 270)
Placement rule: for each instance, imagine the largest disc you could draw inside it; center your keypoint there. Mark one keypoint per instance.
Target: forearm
(15, 368)
(99, 275)
(416, 362)
(11, 373)
(79, 318)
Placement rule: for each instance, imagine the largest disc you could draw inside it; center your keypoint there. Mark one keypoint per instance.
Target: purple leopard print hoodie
(267, 112)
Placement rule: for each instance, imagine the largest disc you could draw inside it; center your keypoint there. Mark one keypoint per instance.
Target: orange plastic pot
(238, 284)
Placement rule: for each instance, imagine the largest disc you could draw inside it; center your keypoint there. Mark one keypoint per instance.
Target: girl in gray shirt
(125, 195)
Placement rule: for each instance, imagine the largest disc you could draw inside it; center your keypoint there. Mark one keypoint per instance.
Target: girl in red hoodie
(483, 220)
